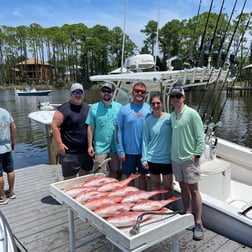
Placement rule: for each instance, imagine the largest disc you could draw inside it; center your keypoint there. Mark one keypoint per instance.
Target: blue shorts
(157, 168)
(6, 163)
(133, 164)
(72, 163)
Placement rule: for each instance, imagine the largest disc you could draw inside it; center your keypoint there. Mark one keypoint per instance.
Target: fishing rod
(225, 33)
(242, 37)
(209, 52)
(216, 26)
(204, 33)
(192, 46)
(228, 48)
(223, 62)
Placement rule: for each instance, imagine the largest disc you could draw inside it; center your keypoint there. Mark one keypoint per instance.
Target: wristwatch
(197, 156)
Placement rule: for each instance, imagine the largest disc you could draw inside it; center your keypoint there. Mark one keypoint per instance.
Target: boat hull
(222, 223)
(34, 93)
(7, 241)
(227, 205)
(229, 224)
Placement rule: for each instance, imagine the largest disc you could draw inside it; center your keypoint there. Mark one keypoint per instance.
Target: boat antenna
(204, 33)
(123, 42)
(156, 51)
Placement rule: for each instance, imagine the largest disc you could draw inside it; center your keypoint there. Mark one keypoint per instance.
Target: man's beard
(107, 98)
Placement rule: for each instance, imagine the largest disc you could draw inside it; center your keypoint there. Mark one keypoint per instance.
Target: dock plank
(41, 223)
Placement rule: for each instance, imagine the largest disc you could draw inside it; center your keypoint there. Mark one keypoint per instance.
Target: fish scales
(139, 195)
(117, 184)
(152, 205)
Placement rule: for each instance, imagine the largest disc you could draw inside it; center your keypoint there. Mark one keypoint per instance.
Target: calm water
(31, 142)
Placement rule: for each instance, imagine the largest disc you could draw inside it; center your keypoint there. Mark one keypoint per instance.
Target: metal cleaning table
(151, 232)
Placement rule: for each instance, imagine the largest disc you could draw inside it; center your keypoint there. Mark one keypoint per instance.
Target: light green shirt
(187, 135)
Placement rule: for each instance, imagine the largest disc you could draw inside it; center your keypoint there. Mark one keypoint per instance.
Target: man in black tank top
(70, 132)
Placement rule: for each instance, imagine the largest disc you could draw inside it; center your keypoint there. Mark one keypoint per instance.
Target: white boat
(226, 184)
(28, 91)
(7, 239)
(48, 105)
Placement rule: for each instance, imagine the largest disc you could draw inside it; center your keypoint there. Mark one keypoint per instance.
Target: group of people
(137, 138)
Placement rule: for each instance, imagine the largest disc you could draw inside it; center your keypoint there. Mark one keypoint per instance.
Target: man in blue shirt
(129, 126)
(101, 130)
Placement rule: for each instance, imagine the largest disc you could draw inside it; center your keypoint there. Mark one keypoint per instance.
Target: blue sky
(110, 13)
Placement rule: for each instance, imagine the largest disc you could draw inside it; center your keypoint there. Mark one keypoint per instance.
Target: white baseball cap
(76, 86)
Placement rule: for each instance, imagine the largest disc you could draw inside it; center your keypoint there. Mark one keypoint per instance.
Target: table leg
(175, 243)
(71, 229)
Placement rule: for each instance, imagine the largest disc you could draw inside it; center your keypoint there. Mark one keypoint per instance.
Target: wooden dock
(41, 224)
(242, 90)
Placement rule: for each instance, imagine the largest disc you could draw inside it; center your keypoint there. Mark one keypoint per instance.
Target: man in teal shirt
(187, 146)
(101, 130)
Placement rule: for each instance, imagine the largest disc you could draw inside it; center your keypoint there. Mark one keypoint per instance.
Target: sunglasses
(176, 96)
(104, 91)
(155, 103)
(75, 92)
(138, 91)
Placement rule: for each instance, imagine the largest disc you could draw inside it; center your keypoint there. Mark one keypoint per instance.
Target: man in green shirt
(101, 130)
(188, 144)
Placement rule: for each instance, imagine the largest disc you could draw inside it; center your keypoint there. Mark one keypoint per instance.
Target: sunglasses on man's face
(104, 91)
(75, 92)
(138, 91)
(176, 96)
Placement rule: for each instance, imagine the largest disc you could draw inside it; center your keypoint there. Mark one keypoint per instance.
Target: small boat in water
(32, 92)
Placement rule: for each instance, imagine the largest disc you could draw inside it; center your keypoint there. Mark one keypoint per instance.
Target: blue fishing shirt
(129, 126)
(157, 135)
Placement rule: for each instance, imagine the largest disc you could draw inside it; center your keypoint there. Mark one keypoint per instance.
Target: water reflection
(31, 143)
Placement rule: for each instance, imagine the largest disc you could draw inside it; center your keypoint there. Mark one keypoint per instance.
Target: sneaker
(10, 195)
(3, 201)
(198, 233)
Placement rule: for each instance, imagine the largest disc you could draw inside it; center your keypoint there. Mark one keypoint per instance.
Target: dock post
(51, 146)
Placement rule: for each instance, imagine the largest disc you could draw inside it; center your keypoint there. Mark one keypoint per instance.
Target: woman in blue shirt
(156, 149)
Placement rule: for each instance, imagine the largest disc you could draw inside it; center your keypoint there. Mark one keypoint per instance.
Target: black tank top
(73, 130)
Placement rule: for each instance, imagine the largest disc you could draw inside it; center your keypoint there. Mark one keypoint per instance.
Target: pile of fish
(114, 200)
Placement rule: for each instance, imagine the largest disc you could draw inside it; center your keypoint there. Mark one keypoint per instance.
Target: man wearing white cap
(70, 132)
(101, 130)
(188, 144)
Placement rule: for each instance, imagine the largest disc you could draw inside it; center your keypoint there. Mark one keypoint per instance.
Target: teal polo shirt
(102, 118)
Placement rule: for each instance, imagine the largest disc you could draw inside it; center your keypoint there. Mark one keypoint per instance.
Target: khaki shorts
(113, 164)
(188, 171)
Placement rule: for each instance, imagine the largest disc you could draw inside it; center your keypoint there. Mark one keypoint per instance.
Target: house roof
(32, 61)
